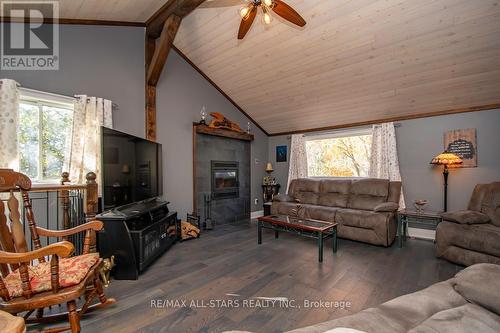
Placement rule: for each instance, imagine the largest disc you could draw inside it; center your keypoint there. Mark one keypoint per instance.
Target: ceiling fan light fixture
(245, 11)
(268, 3)
(266, 17)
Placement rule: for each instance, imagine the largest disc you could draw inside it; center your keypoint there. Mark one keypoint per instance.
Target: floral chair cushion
(71, 272)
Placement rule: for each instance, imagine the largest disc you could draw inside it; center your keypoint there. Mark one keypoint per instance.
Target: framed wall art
(462, 142)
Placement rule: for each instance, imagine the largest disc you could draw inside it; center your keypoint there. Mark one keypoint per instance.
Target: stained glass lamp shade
(446, 158)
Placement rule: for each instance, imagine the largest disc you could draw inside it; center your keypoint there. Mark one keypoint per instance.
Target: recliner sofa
(468, 302)
(365, 209)
(472, 236)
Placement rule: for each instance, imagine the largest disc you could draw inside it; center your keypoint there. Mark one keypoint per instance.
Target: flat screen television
(131, 169)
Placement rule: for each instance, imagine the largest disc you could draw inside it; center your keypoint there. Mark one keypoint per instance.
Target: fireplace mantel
(204, 129)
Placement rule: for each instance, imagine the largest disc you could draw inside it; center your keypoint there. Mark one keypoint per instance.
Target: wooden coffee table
(316, 229)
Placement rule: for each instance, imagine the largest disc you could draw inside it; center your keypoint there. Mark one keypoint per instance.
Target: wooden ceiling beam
(162, 49)
(164, 25)
(180, 8)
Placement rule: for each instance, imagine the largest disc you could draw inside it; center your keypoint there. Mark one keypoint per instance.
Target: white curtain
(9, 118)
(298, 158)
(384, 161)
(84, 153)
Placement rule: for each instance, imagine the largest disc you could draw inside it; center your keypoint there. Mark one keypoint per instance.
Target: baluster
(91, 202)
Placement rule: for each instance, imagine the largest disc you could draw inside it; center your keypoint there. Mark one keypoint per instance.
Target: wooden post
(91, 205)
(151, 113)
(65, 201)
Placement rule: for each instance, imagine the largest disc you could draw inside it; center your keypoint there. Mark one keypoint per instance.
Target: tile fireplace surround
(210, 149)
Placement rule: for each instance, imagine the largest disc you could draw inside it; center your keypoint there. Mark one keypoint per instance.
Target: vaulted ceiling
(355, 61)
(108, 10)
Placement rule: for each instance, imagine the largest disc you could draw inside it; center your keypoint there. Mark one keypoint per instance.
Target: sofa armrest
(386, 207)
(283, 198)
(466, 217)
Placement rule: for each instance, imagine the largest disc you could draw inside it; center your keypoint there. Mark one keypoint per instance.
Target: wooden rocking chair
(30, 281)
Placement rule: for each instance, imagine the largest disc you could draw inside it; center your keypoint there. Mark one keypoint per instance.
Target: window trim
(50, 99)
(340, 134)
(40, 99)
(335, 135)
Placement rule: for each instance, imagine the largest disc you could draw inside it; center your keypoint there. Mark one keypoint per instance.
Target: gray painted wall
(419, 140)
(98, 61)
(109, 62)
(181, 93)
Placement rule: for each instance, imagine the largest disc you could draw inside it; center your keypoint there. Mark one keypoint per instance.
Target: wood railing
(63, 206)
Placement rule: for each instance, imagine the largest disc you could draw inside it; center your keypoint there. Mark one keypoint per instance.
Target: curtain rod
(88, 98)
(347, 130)
(113, 104)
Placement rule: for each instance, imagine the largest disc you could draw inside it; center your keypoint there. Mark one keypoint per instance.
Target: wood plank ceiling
(355, 61)
(107, 10)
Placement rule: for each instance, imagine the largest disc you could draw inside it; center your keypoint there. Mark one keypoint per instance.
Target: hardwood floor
(228, 260)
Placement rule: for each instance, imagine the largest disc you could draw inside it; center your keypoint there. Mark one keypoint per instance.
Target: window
(45, 123)
(344, 154)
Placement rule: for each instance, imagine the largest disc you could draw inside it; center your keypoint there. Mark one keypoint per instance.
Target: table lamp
(269, 167)
(446, 158)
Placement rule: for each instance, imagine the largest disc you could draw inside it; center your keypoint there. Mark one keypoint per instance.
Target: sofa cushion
(466, 217)
(363, 219)
(491, 203)
(477, 197)
(306, 190)
(397, 315)
(320, 212)
(482, 238)
(371, 186)
(465, 318)
(480, 284)
(334, 192)
(386, 207)
(368, 193)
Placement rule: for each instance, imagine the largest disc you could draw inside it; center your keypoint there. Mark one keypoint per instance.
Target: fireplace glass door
(225, 183)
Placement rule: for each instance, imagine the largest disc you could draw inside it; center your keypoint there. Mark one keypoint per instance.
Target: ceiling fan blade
(246, 24)
(288, 13)
(220, 3)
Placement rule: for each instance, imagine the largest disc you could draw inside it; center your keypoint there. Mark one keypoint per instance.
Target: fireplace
(225, 180)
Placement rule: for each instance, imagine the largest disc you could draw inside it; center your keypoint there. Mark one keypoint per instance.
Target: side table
(424, 220)
(267, 208)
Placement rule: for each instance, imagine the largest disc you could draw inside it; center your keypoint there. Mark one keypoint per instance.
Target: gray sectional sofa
(468, 302)
(365, 209)
(472, 236)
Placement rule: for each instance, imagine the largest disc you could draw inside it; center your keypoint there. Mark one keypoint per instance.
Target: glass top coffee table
(316, 229)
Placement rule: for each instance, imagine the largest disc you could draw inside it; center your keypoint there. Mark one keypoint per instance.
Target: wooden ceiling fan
(249, 11)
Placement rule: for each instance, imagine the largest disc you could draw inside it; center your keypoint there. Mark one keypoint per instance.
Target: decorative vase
(419, 205)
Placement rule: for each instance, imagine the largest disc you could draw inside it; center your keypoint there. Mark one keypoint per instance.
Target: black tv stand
(136, 234)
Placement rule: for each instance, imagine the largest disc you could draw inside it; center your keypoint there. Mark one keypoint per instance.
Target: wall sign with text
(462, 142)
